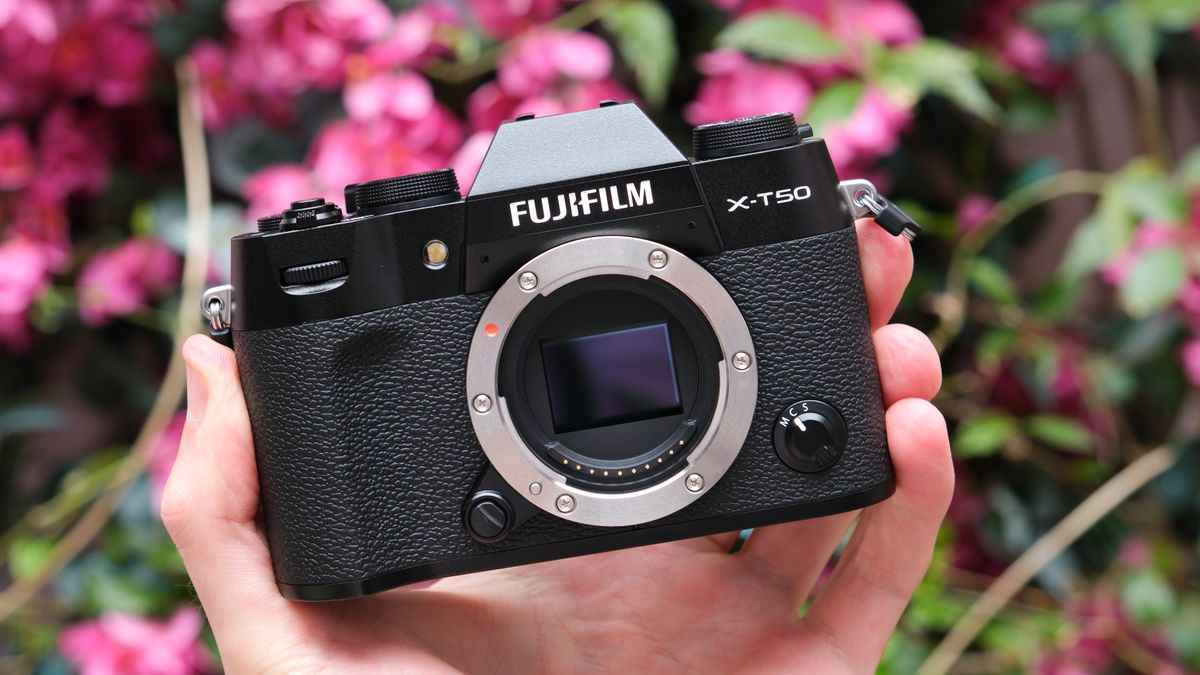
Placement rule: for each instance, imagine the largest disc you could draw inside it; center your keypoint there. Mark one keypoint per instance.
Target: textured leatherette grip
(365, 447)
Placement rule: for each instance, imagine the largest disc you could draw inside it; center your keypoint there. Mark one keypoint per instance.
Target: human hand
(685, 606)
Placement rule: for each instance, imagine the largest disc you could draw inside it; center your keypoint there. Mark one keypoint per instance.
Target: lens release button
(488, 517)
(810, 436)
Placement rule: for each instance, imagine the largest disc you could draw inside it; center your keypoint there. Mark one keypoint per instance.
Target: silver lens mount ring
(711, 456)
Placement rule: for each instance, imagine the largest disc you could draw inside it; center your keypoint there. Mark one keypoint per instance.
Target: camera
(605, 344)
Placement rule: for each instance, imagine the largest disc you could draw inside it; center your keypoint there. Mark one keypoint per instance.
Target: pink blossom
(890, 22)
(121, 280)
(973, 211)
(352, 151)
(1024, 50)
(291, 44)
(33, 17)
(107, 59)
(28, 29)
(544, 57)
(16, 158)
(872, 131)
(416, 36)
(1149, 236)
(404, 95)
(467, 160)
(162, 457)
(1190, 355)
(505, 18)
(72, 153)
(134, 645)
(739, 87)
(41, 218)
(24, 275)
(223, 99)
(271, 189)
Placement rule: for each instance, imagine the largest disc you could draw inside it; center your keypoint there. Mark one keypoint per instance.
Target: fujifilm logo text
(581, 203)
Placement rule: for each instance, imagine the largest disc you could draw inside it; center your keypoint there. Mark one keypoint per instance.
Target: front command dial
(810, 436)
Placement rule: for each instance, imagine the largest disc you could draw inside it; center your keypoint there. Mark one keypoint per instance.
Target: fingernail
(197, 387)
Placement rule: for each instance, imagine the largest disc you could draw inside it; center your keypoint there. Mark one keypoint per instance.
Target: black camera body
(605, 345)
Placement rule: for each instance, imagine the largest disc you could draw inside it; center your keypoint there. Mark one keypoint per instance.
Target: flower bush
(1070, 335)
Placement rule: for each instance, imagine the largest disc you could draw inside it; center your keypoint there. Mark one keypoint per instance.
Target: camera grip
(361, 432)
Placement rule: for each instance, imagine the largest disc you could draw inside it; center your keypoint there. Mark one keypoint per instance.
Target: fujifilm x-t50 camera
(604, 345)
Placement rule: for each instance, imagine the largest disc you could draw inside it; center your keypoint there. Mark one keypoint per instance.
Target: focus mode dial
(810, 436)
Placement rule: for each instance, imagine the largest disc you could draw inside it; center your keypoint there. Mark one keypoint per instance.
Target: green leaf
(1174, 15)
(1128, 31)
(1153, 282)
(1146, 190)
(992, 281)
(834, 103)
(982, 435)
(935, 66)
(645, 36)
(1059, 432)
(27, 556)
(1189, 169)
(780, 35)
(993, 346)
(1148, 597)
(1185, 633)
(1065, 14)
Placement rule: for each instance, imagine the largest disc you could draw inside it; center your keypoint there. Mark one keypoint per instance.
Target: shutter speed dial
(810, 436)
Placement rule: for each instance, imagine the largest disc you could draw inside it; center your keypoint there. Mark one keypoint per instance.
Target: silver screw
(695, 482)
(215, 306)
(482, 403)
(741, 360)
(535, 488)
(658, 259)
(527, 280)
(565, 503)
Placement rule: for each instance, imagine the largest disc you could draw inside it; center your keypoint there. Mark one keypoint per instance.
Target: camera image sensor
(607, 378)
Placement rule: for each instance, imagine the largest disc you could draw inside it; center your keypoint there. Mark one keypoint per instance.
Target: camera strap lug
(217, 307)
(866, 202)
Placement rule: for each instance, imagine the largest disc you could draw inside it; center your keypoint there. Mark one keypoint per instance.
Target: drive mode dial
(810, 436)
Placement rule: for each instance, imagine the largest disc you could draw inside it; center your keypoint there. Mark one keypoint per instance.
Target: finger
(793, 555)
(909, 366)
(211, 497)
(887, 264)
(890, 549)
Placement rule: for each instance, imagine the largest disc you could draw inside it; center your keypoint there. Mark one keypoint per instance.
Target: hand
(686, 606)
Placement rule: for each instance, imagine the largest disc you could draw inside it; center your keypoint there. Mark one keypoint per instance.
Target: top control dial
(748, 134)
(308, 213)
(377, 195)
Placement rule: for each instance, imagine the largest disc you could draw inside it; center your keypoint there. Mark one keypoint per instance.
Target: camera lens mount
(703, 415)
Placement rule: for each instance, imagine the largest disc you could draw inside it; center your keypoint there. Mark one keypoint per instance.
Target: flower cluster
(74, 76)
(737, 85)
(120, 643)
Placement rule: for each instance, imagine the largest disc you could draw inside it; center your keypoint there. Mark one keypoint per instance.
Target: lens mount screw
(528, 281)
(694, 482)
(565, 503)
(741, 360)
(535, 488)
(658, 259)
(481, 403)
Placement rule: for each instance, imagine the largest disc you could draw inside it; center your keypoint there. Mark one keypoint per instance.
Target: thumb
(211, 498)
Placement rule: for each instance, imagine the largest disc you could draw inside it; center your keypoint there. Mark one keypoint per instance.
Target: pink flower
(24, 275)
(28, 29)
(973, 211)
(416, 36)
(505, 18)
(547, 73)
(544, 57)
(72, 153)
(739, 87)
(271, 189)
(872, 131)
(134, 645)
(351, 151)
(162, 457)
(107, 59)
(890, 22)
(223, 99)
(121, 280)
(1190, 355)
(40, 218)
(405, 95)
(1024, 50)
(1149, 236)
(291, 44)
(467, 160)
(16, 158)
